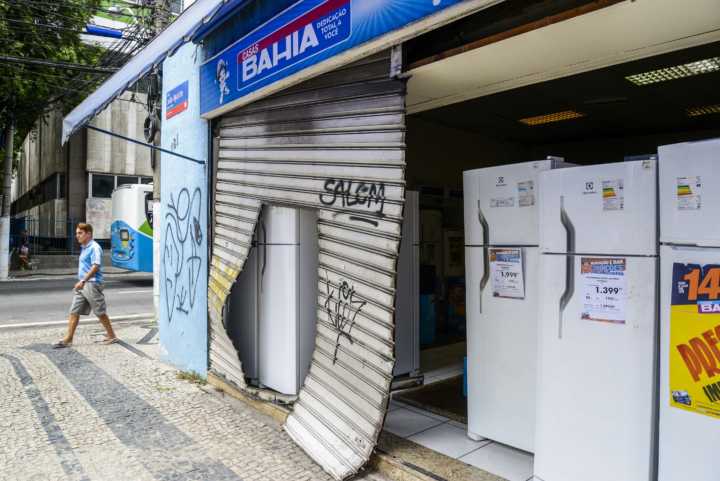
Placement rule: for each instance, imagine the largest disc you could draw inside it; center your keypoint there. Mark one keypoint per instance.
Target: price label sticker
(604, 289)
(506, 267)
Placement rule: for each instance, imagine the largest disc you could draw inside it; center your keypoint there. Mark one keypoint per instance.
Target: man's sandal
(61, 345)
(108, 341)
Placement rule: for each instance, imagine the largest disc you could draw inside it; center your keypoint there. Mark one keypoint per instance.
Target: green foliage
(48, 30)
(192, 377)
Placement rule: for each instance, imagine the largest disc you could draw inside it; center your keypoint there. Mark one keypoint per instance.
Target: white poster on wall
(506, 269)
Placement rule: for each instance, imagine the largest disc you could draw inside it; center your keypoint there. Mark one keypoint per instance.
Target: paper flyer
(689, 193)
(695, 339)
(604, 289)
(613, 194)
(506, 269)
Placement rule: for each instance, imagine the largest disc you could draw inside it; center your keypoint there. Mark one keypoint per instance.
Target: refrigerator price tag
(694, 335)
(604, 289)
(506, 268)
(613, 194)
(688, 193)
(526, 193)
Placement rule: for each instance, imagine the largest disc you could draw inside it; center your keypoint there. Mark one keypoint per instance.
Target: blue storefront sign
(305, 34)
(176, 100)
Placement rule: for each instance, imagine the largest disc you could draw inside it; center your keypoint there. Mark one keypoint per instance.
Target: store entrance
(614, 114)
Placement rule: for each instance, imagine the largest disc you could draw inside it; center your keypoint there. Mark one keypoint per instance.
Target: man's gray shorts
(90, 297)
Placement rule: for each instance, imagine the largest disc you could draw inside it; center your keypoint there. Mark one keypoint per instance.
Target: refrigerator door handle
(264, 260)
(486, 254)
(569, 263)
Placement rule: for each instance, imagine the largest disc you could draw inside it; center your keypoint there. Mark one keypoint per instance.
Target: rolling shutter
(336, 144)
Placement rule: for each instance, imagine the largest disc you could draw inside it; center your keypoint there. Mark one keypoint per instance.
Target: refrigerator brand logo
(500, 181)
(590, 187)
(708, 307)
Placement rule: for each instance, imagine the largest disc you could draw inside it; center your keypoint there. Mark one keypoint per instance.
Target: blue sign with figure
(305, 34)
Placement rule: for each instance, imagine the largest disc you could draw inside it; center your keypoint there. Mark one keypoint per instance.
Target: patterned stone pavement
(96, 412)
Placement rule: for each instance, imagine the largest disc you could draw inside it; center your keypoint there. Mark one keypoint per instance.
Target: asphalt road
(49, 299)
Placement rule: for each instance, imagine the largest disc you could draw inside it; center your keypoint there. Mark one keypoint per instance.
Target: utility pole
(161, 19)
(5, 219)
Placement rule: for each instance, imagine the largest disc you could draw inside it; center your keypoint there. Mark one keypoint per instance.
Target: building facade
(342, 108)
(56, 186)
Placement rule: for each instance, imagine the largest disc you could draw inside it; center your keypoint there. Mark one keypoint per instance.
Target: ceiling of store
(580, 64)
(612, 105)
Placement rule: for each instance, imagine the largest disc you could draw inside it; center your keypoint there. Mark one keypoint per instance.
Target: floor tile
(501, 460)
(426, 413)
(448, 440)
(458, 425)
(404, 422)
(395, 405)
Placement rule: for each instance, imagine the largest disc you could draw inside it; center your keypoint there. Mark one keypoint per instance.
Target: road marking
(130, 292)
(133, 317)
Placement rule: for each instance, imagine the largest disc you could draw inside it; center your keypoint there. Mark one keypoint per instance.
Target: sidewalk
(96, 412)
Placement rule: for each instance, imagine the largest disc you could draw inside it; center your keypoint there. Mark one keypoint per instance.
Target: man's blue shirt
(90, 254)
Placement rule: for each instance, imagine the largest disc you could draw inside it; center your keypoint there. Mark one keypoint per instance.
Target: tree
(46, 30)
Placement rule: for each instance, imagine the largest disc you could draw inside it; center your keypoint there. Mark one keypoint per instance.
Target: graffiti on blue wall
(182, 239)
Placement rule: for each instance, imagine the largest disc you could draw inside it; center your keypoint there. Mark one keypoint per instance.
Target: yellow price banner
(695, 339)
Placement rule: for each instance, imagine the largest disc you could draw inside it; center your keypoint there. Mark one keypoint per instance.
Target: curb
(45, 276)
(384, 463)
(129, 318)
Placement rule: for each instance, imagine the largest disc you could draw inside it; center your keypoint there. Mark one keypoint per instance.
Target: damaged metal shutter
(336, 144)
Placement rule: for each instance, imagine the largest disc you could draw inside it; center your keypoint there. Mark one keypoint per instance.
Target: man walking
(89, 288)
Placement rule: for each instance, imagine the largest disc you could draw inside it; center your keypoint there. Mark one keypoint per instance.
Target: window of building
(126, 179)
(102, 185)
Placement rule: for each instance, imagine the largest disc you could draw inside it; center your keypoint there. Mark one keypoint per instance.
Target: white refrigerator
(596, 410)
(689, 393)
(272, 309)
(501, 256)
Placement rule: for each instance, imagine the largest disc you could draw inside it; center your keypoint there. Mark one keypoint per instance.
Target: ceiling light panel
(550, 118)
(677, 72)
(706, 110)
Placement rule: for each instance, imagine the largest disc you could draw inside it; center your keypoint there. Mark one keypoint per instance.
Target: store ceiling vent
(708, 109)
(707, 65)
(550, 118)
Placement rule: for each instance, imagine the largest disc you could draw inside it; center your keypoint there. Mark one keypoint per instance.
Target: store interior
(602, 115)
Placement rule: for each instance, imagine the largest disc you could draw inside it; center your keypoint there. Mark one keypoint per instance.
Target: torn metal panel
(335, 144)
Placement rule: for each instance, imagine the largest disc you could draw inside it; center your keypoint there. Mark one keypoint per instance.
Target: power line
(67, 65)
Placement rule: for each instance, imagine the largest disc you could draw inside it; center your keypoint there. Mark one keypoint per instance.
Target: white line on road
(130, 292)
(133, 317)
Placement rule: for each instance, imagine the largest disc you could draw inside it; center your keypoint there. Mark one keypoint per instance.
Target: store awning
(195, 21)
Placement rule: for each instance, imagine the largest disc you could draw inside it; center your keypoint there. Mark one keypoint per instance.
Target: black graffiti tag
(348, 193)
(181, 259)
(342, 309)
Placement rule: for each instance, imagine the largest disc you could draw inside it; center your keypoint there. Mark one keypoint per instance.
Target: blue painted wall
(184, 221)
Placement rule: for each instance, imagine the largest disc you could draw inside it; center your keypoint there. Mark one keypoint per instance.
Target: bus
(131, 232)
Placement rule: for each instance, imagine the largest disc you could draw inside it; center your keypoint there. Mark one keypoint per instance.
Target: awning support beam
(145, 144)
